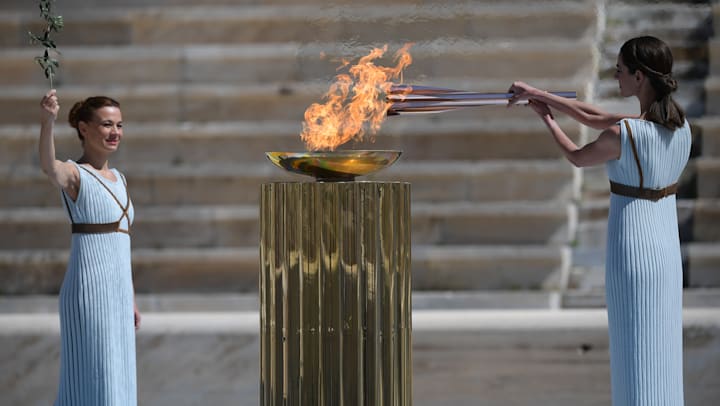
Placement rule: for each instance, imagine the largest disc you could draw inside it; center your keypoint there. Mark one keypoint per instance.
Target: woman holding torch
(644, 156)
(98, 316)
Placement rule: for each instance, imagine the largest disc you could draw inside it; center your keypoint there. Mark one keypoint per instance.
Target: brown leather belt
(80, 228)
(102, 228)
(642, 193)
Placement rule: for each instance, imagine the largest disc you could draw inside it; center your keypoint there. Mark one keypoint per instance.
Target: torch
(406, 99)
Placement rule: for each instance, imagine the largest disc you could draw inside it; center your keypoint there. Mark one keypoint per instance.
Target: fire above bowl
(334, 166)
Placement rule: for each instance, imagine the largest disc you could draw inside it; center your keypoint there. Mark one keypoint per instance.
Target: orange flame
(354, 99)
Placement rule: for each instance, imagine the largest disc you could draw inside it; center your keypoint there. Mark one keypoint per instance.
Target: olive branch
(53, 24)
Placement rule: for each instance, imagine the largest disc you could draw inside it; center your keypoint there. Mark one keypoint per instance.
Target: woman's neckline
(88, 166)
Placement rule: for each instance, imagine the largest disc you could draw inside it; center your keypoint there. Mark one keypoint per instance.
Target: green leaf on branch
(53, 23)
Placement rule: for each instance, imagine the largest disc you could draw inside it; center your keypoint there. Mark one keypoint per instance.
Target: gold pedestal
(335, 296)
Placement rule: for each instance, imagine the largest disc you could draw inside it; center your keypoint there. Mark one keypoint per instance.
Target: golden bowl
(334, 166)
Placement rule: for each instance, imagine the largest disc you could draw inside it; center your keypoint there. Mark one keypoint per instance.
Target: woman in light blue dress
(644, 156)
(98, 316)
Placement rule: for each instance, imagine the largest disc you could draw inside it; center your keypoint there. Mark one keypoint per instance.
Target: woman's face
(627, 81)
(104, 132)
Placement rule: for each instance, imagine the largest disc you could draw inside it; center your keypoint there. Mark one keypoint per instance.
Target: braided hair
(85, 111)
(653, 57)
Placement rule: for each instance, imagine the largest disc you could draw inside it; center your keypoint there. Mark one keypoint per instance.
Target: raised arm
(606, 147)
(585, 113)
(61, 174)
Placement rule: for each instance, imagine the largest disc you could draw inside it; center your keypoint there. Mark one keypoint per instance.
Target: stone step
(664, 19)
(421, 138)
(235, 269)
(587, 272)
(27, 271)
(490, 267)
(175, 103)
(73, 5)
(706, 222)
(226, 102)
(582, 299)
(708, 178)
(697, 223)
(422, 300)
(714, 56)
(593, 213)
(703, 264)
(202, 24)
(295, 62)
(709, 130)
(712, 96)
(685, 28)
(504, 357)
(227, 184)
(454, 223)
(698, 220)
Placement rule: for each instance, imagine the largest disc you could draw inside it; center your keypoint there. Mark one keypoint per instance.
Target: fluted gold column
(335, 296)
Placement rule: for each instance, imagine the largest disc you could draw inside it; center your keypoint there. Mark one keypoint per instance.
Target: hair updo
(654, 59)
(85, 110)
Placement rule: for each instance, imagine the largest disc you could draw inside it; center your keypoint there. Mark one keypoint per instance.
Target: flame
(355, 100)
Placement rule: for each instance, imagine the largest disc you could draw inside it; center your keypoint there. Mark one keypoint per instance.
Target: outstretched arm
(61, 174)
(606, 147)
(585, 113)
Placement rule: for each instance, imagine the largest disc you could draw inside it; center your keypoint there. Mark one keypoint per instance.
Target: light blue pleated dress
(644, 270)
(97, 358)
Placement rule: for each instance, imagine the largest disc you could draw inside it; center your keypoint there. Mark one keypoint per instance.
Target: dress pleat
(644, 270)
(97, 358)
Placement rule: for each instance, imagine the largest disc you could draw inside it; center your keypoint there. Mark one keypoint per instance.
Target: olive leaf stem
(53, 24)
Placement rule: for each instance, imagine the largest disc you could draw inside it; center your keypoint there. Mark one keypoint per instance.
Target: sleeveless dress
(643, 270)
(97, 358)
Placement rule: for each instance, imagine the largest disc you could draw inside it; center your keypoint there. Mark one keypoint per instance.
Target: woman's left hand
(521, 91)
(137, 317)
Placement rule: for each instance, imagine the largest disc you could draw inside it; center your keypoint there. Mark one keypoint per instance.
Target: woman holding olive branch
(98, 315)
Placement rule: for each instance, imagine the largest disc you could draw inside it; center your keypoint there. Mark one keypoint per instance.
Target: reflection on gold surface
(335, 165)
(335, 298)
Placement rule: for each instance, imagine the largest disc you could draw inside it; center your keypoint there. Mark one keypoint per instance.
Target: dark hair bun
(671, 83)
(74, 115)
(85, 110)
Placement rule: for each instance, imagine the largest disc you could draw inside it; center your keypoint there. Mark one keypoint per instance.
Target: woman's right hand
(541, 109)
(49, 107)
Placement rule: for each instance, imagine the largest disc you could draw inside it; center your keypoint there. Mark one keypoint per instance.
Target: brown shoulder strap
(634, 150)
(127, 193)
(127, 205)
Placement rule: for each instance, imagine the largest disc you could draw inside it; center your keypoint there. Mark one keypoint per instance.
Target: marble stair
(507, 235)
(705, 266)
(208, 87)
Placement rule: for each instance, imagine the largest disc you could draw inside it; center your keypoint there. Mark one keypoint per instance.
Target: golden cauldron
(334, 166)
(335, 283)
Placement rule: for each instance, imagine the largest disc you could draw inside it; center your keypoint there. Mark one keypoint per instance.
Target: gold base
(335, 294)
